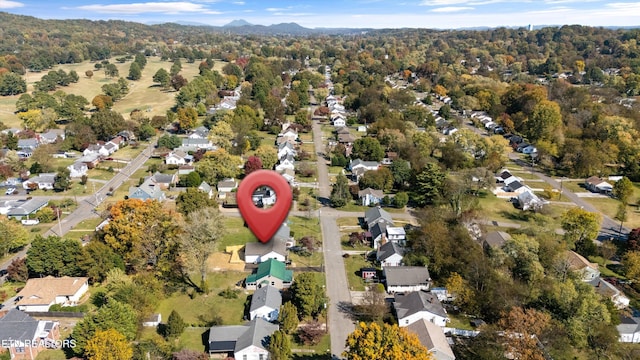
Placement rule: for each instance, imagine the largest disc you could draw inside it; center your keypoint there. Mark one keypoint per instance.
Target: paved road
(87, 204)
(609, 228)
(340, 326)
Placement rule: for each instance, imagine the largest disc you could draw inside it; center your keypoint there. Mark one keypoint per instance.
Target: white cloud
(446, 3)
(10, 4)
(149, 7)
(449, 9)
(238, 3)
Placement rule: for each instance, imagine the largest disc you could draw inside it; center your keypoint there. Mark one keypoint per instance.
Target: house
(289, 175)
(43, 181)
(153, 320)
(598, 185)
(28, 144)
(201, 132)
(286, 163)
(111, 147)
(389, 158)
(587, 270)
(271, 272)
(396, 234)
(495, 239)
(527, 200)
(607, 290)
(401, 279)
(98, 149)
(26, 208)
(196, 144)
(78, 169)
(148, 190)
(178, 157)
(164, 181)
(370, 196)
(263, 197)
(342, 131)
(243, 342)
(91, 160)
(529, 149)
(390, 254)
(368, 273)
(516, 187)
(186, 169)
(226, 186)
(506, 177)
(286, 149)
(265, 304)
(206, 188)
(432, 337)
(346, 139)
(256, 252)
(289, 135)
(25, 337)
(51, 136)
(419, 305)
(629, 329)
(367, 165)
(39, 294)
(362, 128)
(339, 121)
(377, 215)
(378, 234)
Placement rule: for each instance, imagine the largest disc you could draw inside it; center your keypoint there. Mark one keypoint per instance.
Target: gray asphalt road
(340, 326)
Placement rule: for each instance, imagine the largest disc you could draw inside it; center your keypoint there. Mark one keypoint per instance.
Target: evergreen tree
(340, 192)
(175, 326)
(288, 317)
(279, 346)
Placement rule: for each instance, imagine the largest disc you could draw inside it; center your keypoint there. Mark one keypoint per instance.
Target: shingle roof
(376, 213)
(578, 262)
(432, 337)
(223, 338)
(273, 268)
(407, 275)
(227, 183)
(28, 207)
(629, 325)
(266, 296)
(204, 187)
(369, 191)
(496, 239)
(161, 178)
(43, 291)
(259, 248)
(378, 229)
(16, 325)
(257, 334)
(389, 249)
(417, 301)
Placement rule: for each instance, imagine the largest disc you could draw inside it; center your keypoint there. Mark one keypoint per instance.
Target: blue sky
(346, 13)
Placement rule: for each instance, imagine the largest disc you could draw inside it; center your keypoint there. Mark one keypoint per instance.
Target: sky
(438, 14)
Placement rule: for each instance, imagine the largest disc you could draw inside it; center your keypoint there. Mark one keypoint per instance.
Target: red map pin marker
(264, 223)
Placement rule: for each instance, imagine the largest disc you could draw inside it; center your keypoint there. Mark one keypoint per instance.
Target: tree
(279, 346)
(307, 294)
(96, 259)
(88, 73)
(631, 262)
(387, 342)
(401, 171)
(252, 164)
(340, 193)
(373, 306)
(623, 189)
(268, 155)
(380, 179)
(54, 256)
(580, 225)
(109, 344)
(12, 84)
(18, 270)
(170, 142)
(62, 180)
(187, 118)
(102, 102)
(400, 200)
(193, 199)
(112, 315)
(135, 72)
(186, 354)
(162, 76)
(545, 123)
(175, 326)
(218, 165)
(12, 236)
(203, 230)
(288, 317)
(523, 328)
(303, 118)
(178, 82)
(367, 149)
(429, 184)
(106, 124)
(192, 180)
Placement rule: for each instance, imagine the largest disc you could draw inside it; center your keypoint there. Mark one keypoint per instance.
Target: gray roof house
(26, 208)
(390, 254)
(265, 303)
(256, 252)
(629, 329)
(370, 196)
(52, 135)
(432, 337)
(28, 144)
(23, 334)
(165, 180)
(206, 188)
(417, 305)
(400, 279)
(238, 340)
(43, 181)
(495, 239)
(148, 190)
(378, 234)
(377, 215)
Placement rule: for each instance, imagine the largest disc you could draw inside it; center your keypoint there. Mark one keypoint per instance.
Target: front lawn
(352, 265)
(236, 233)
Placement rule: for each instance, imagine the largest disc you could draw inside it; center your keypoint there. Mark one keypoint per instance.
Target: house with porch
(77, 169)
(369, 196)
(247, 342)
(256, 252)
(419, 305)
(43, 181)
(404, 279)
(24, 209)
(148, 190)
(271, 272)
(390, 254)
(598, 185)
(265, 304)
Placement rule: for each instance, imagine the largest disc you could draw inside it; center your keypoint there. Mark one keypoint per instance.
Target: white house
(96, 149)
(226, 186)
(51, 136)
(629, 329)
(587, 270)
(196, 144)
(370, 196)
(39, 294)
(256, 252)
(200, 132)
(366, 165)
(607, 290)
(289, 135)
(339, 121)
(598, 185)
(265, 304)
(396, 234)
(206, 188)
(285, 149)
(404, 279)
(432, 337)
(264, 197)
(78, 169)
(43, 181)
(246, 342)
(419, 305)
(177, 158)
(285, 163)
(153, 321)
(390, 254)
(529, 150)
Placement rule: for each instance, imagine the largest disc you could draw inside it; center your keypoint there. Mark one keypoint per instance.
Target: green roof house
(271, 272)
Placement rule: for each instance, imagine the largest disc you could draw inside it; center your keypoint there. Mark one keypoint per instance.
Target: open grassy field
(143, 93)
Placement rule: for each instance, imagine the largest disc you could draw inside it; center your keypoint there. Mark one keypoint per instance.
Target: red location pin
(264, 223)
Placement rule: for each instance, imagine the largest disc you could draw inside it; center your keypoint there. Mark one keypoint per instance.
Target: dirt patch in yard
(220, 261)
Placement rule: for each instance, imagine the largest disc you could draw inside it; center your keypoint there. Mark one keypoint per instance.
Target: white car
(10, 191)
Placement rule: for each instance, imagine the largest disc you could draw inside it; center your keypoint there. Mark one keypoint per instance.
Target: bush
(229, 293)
(311, 333)
(77, 309)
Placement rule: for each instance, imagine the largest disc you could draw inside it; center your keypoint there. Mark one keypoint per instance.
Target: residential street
(340, 326)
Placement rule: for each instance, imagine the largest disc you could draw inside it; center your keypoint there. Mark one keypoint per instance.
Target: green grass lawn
(193, 310)
(352, 266)
(609, 207)
(315, 352)
(494, 208)
(335, 170)
(344, 240)
(192, 338)
(51, 354)
(100, 174)
(303, 226)
(459, 322)
(236, 233)
(310, 198)
(347, 221)
(352, 206)
(128, 152)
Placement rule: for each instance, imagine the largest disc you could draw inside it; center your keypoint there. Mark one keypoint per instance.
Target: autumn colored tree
(12, 236)
(112, 315)
(631, 262)
(252, 164)
(88, 73)
(178, 81)
(217, 165)
(192, 200)
(18, 270)
(268, 155)
(623, 190)
(523, 328)
(580, 225)
(187, 118)
(109, 344)
(102, 102)
(387, 342)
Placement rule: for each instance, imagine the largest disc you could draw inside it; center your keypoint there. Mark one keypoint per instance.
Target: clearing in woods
(144, 94)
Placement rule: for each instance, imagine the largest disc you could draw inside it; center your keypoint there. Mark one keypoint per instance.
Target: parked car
(30, 222)
(10, 191)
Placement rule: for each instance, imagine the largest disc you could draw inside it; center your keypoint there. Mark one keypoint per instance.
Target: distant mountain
(236, 23)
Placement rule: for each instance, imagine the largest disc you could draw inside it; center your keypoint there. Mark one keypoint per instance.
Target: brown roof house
(598, 185)
(588, 271)
(40, 293)
(25, 337)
